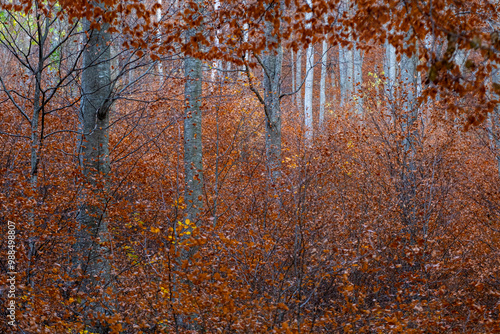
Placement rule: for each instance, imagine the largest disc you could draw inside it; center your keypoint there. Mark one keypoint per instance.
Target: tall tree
(158, 35)
(193, 153)
(343, 75)
(272, 66)
(36, 42)
(408, 118)
(495, 115)
(94, 158)
(390, 66)
(322, 95)
(358, 77)
(308, 94)
(346, 65)
(292, 72)
(298, 78)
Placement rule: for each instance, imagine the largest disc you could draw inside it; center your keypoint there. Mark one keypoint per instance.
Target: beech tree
(309, 80)
(495, 117)
(193, 152)
(390, 73)
(298, 79)
(322, 97)
(272, 63)
(92, 234)
(358, 78)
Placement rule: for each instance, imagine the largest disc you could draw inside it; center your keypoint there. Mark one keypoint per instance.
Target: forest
(249, 166)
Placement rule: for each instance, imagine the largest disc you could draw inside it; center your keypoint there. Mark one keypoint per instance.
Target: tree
(346, 60)
(358, 78)
(193, 150)
(322, 97)
(92, 236)
(495, 116)
(37, 44)
(390, 66)
(309, 81)
(272, 63)
(298, 79)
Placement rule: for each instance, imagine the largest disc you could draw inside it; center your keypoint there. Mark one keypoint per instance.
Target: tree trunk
(495, 118)
(158, 35)
(342, 75)
(292, 66)
(349, 57)
(408, 95)
(298, 78)
(272, 62)
(216, 64)
(390, 74)
(358, 78)
(193, 155)
(408, 119)
(322, 95)
(94, 158)
(308, 94)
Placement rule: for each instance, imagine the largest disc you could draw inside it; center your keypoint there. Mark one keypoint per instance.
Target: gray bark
(292, 66)
(495, 118)
(322, 95)
(409, 95)
(308, 93)
(272, 62)
(408, 119)
(349, 57)
(158, 35)
(358, 78)
(390, 73)
(346, 72)
(94, 158)
(298, 78)
(245, 39)
(193, 154)
(342, 75)
(346, 65)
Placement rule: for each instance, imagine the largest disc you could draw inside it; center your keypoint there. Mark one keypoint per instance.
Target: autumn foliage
(358, 235)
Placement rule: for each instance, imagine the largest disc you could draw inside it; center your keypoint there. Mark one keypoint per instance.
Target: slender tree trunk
(158, 19)
(193, 154)
(342, 75)
(409, 95)
(358, 78)
(216, 63)
(346, 65)
(36, 140)
(333, 74)
(349, 56)
(272, 61)
(292, 66)
(308, 94)
(408, 119)
(322, 95)
(94, 158)
(346, 74)
(298, 79)
(495, 118)
(390, 74)
(245, 39)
